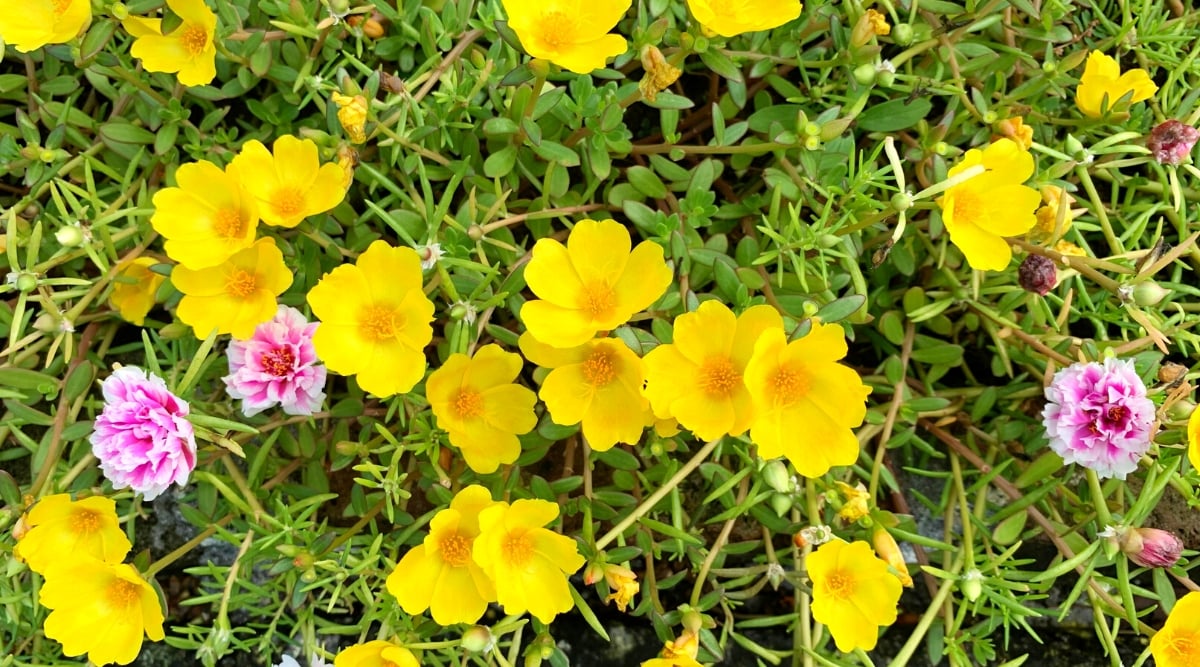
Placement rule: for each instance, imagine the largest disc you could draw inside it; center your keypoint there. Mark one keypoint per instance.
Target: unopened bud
(972, 584)
(902, 34)
(775, 474)
(593, 573)
(864, 74)
(26, 282)
(781, 504)
(1148, 293)
(1075, 148)
(46, 155)
(119, 11)
(1150, 547)
(902, 201)
(478, 639)
(69, 236)
(1171, 142)
(888, 550)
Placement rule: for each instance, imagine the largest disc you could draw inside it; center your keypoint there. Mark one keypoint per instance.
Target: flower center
(468, 404)
(839, 586)
(557, 29)
(967, 208)
(719, 378)
(1184, 649)
(517, 549)
(1116, 414)
(287, 202)
(380, 323)
(61, 6)
(600, 367)
(455, 549)
(229, 224)
(789, 385)
(122, 594)
(84, 521)
(279, 362)
(194, 39)
(241, 284)
(598, 301)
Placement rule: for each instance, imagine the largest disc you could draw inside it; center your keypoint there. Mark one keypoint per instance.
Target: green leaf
(839, 309)
(895, 115)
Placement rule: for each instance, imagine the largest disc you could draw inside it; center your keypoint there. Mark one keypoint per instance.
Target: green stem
(1114, 243)
(158, 565)
(914, 640)
(1103, 517)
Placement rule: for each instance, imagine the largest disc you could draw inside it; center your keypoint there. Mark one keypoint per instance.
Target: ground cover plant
(444, 332)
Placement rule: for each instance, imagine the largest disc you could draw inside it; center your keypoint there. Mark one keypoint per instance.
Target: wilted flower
(1147, 547)
(734, 18)
(135, 288)
(681, 652)
(1037, 274)
(40, 22)
(277, 366)
(58, 529)
(1056, 201)
(566, 36)
(207, 218)
(1099, 417)
(1016, 129)
(289, 181)
(352, 114)
(236, 296)
(855, 502)
(1171, 142)
(870, 24)
(853, 593)
(101, 609)
(623, 583)
(1103, 85)
(187, 50)
(660, 74)
(1178, 643)
(143, 438)
(885, 545)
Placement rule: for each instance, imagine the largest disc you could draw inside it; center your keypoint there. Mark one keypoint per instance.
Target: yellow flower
(235, 296)
(1068, 248)
(374, 319)
(102, 609)
(61, 530)
(853, 593)
(593, 284)
(376, 654)
(1103, 85)
(41, 22)
(889, 551)
(623, 583)
(528, 563)
(187, 50)
(734, 17)
(1193, 433)
(1056, 199)
(208, 218)
(799, 388)
(855, 502)
(1016, 129)
(476, 402)
(598, 383)
(290, 184)
(982, 210)
(134, 289)
(439, 574)
(697, 379)
(678, 653)
(1178, 643)
(352, 114)
(568, 33)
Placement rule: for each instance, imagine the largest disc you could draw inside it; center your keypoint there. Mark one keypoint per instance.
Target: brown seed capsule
(1037, 274)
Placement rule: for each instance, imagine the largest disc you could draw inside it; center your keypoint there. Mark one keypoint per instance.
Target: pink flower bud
(1171, 142)
(1151, 547)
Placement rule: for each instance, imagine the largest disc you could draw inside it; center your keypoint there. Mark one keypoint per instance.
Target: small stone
(1037, 274)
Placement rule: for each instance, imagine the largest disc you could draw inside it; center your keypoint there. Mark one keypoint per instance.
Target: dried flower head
(1037, 274)
(1171, 142)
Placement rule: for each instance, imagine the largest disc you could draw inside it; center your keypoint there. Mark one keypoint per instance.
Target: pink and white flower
(142, 437)
(1099, 417)
(277, 366)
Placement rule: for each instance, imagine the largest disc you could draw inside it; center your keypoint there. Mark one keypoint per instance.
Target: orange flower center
(122, 594)
(788, 385)
(967, 208)
(380, 323)
(1184, 649)
(600, 367)
(85, 521)
(194, 39)
(719, 378)
(287, 202)
(598, 301)
(517, 549)
(279, 362)
(468, 404)
(241, 284)
(557, 29)
(839, 585)
(229, 224)
(455, 550)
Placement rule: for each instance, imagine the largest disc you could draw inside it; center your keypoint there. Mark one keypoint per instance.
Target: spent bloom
(856, 501)
(697, 379)
(40, 22)
(598, 383)
(680, 652)
(1147, 547)
(376, 654)
(623, 583)
(853, 593)
(59, 529)
(374, 319)
(476, 401)
(207, 218)
(592, 284)
(439, 574)
(142, 437)
(352, 114)
(889, 551)
(1098, 416)
(981, 210)
(1037, 274)
(135, 288)
(528, 563)
(1103, 85)
(277, 366)
(289, 181)
(1178, 643)
(1016, 129)
(569, 33)
(799, 388)
(236, 296)
(734, 17)
(188, 50)
(101, 609)
(1056, 204)
(1171, 142)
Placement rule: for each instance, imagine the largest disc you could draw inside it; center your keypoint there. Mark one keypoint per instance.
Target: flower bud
(69, 236)
(864, 74)
(902, 201)
(902, 34)
(1171, 142)
(781, 504)
(119, 11)
(972, 584)
(26, 282)
(775, 474)
(1150, 547)
(373, 28)
(593, 573)
(46, 155)
(812, 143)
(1075, 148)
(1148, 293)
(1037, 274)
(478, 639)
(888, 550)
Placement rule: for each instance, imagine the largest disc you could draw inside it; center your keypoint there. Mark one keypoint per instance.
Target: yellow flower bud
(352, 114)
(888, 550)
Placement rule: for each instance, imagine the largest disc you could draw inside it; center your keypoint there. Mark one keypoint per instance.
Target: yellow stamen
(468, 404)
(517, 549)
(719, 378)
(380, 323)
(287, 202)
(194, 39)
(600, 367)
(241, 284)
(229, 224)
(455, 550)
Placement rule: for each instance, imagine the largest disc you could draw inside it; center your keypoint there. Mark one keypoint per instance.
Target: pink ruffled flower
(143, 438)
(1099, 417)
(277, 366)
